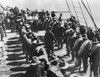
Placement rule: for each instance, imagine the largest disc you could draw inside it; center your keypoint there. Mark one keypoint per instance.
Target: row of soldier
(81, 42)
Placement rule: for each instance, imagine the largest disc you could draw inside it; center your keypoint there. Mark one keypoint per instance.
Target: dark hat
(60, 13)
(54, 62)
(95, 40)
(62, 63)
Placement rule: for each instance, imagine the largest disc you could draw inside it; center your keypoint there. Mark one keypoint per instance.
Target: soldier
(49, 42)
(60, 18)
(83, 53)
(68, 38)
(4, 27)
(94, 57)
(1, 28)
(76, 47)
(82, 29)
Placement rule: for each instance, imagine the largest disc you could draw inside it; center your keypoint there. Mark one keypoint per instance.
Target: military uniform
(95, 57)
(49, 42)
(76, 47)
(83, 53)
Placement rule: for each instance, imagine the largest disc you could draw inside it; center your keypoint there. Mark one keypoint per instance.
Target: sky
(59, 5)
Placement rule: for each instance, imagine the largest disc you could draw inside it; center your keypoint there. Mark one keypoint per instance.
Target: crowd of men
(82, 43)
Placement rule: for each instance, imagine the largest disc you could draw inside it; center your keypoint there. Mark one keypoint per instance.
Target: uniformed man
(76, 47)
(49, 42)
(1, 28)
(83, 53)
(73, 20)
(4, 27)
(94, 57)
(68, 36)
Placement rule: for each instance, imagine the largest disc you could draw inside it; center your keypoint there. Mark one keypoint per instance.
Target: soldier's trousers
(85, 63)
(84, 59)
(50, 49)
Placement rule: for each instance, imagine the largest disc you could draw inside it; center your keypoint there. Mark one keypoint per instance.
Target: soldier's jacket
(85, 47)
(95, 49)
(49, 38)
(95, 57)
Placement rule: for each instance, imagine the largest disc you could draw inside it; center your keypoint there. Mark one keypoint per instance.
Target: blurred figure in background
(1, 28)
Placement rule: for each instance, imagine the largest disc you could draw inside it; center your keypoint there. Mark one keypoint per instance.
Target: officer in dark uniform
(49, 41)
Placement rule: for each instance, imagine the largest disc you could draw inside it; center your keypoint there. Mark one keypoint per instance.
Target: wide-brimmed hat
(95, 40)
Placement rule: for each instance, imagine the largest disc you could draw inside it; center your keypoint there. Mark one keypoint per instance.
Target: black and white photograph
(49, 38)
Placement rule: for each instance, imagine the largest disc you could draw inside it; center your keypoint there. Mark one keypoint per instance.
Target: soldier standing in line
(4, 27)
(76, 47)
(95, 57)
(1, 28)
(49, 42)
(83, 53)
